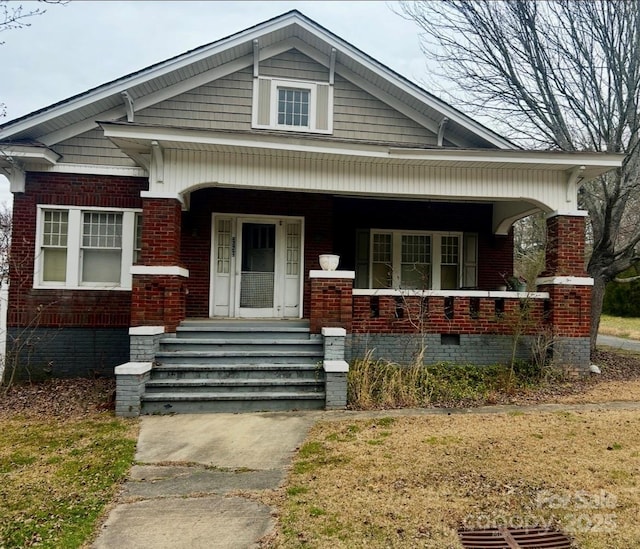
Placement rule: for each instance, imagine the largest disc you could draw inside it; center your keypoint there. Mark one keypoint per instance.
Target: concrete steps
(237, 366)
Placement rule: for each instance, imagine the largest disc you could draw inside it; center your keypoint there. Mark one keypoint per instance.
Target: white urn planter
(329, 262)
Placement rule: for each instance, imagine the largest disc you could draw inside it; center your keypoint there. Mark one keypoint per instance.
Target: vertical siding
(92, 148)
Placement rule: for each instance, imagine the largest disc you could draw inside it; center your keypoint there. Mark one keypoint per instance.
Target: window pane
(102, 230)
(449, 250)
(381, 275)
(101, 266)
(415, 267)
(293, 107)
(56, 224)
(415, 276)
(54, 265)
(449, 277)
(101, 243)
(450, 259)
(382, 248)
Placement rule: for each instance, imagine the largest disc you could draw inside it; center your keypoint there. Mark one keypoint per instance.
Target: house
(207, 186)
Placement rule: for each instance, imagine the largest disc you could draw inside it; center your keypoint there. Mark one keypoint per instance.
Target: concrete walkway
(179, 493)
(618, 343)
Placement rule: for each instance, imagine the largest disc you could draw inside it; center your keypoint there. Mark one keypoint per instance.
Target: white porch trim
(159, 270)
(565, 280)
(450, 293)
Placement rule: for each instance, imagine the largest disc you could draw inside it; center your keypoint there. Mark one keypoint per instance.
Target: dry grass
(61, 461)
(620, 327)
(412, 481)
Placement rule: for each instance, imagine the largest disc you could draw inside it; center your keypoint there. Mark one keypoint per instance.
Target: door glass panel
(223, 252)
(258, 265)
(293, 248)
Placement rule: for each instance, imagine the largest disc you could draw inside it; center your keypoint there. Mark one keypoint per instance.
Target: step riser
(257, 389)
(231, 406)
(246, 324)
(177, 373)
(267, 348)
(238, 360)
(215, 334)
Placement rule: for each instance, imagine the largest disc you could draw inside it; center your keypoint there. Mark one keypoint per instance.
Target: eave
(137, 139)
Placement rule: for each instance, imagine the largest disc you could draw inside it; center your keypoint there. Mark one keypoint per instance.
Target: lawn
(620, 326)
(413, 481)
(60, 466)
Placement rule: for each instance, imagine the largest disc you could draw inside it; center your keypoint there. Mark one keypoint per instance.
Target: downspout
(441, 128)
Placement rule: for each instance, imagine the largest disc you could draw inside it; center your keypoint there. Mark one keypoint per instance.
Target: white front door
(256, 267)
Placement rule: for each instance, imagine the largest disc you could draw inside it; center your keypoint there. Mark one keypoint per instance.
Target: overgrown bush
(382, 384)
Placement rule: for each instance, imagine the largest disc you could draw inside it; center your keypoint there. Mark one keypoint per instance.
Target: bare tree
(562, 74)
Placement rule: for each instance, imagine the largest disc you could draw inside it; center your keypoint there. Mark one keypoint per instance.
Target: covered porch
(417, 229)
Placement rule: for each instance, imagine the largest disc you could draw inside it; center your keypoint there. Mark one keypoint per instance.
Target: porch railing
(449, 311)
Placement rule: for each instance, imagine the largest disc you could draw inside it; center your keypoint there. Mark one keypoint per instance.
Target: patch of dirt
(58, 398)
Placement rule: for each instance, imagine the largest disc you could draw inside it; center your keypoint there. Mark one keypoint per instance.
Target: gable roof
(196, 67)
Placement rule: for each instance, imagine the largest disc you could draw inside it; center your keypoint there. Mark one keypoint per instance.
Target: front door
(256, 267)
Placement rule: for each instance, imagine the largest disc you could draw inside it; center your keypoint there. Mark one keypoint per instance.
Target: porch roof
(137, 139)
(516, 182)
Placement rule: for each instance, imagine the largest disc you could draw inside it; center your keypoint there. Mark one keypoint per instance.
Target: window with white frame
(415, 260)
(85, 247)
(294, 105)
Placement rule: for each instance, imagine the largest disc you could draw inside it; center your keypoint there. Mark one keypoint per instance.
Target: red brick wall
(331, 304)
(417, 315)
(158, 300)
(570, 313)
(565, 246)
(161, 228)
(87, 308)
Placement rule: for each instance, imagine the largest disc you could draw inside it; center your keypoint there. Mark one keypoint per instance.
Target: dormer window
(292, 105)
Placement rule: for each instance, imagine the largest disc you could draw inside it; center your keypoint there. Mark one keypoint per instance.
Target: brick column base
(331, 300)
(569, 315)
(158, 300)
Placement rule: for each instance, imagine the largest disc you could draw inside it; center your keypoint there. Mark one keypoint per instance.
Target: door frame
(237, 219)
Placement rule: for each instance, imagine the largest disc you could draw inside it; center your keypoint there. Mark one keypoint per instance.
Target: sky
(83, 44)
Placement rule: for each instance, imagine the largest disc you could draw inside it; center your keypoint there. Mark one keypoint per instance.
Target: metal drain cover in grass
(514, 538)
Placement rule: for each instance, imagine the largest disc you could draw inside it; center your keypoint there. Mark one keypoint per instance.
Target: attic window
(292, 105)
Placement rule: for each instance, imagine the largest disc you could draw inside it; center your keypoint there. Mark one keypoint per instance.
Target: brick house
(174, 201)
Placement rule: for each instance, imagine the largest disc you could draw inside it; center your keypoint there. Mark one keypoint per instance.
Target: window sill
(81, 288)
